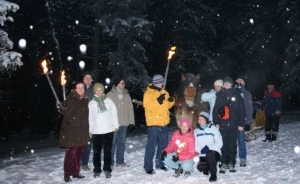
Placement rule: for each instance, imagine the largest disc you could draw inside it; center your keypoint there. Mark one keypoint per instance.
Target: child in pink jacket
(180, 152)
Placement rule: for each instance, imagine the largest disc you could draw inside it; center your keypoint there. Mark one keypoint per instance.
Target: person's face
(241, 81)
(87, 80)
(227, 85)
(99, 92)
(184, 128)
(121, 84)
(201, 121)
(80, 88)
(270, 88)
(217, 88)
(160, 85)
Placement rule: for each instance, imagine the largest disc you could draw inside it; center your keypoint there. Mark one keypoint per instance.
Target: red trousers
(72, 160)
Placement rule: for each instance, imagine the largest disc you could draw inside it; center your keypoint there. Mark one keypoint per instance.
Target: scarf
(100, 102)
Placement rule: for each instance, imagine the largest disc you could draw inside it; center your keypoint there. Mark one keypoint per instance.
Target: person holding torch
(74, 134)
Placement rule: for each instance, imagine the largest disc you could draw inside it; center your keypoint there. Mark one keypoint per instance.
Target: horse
(188, 102)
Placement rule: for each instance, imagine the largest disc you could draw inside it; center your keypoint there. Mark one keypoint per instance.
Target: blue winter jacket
(272, 102)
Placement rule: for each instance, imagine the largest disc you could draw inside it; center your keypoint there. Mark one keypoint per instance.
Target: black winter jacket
(233, 99)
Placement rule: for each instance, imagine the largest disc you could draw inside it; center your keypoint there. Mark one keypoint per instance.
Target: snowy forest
(254, 38)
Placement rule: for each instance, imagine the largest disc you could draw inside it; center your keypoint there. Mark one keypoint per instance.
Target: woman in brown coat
(74, 133)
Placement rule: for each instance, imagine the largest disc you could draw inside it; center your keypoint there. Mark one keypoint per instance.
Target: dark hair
(78, 82)
(88, 73)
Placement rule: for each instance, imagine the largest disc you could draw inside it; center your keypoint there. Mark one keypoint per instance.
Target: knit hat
(98, 85)
(186, 121)
(218, 82)
(157, 79)
(117, 79)
(227, 79)
(205, 115)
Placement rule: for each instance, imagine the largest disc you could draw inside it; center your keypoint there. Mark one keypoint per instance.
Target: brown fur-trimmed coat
(74, 130)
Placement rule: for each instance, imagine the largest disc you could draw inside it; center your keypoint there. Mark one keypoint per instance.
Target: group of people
(93, 118)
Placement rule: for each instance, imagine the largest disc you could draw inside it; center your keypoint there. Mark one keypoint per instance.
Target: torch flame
(63, 78)
(171, 52)
(44, 65)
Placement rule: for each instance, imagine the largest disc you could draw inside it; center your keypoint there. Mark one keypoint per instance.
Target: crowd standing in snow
(90, 114)
(123, 102)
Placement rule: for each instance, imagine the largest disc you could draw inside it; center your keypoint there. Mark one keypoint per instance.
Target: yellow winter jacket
(156, 114)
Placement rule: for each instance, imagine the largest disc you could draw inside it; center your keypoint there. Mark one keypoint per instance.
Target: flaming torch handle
(52, 88)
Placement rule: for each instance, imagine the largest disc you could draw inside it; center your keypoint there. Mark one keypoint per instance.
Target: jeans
(242, 145)
(156, 136)
(186, 165)
(86, 154)
(119, 145)
(72, 160)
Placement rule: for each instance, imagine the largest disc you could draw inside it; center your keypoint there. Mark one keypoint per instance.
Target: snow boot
(213, 178)
(79, 176)
(177, 172)
(273, 137)
(67, 179)
(107, 174)
(187, 174)
(96, 174)
(164, 168)
(223, 169)
(231, 167)
(151, 171)
(243, 163)
(268, 138)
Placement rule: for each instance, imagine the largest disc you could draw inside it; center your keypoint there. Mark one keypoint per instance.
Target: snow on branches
(9, 61)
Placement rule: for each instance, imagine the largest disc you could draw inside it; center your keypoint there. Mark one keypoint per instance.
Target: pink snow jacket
(185, 142)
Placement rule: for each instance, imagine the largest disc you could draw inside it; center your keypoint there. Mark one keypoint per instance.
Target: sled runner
(257, 126)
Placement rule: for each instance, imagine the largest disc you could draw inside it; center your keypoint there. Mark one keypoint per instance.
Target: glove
(65, 104)
(175, 158)
(221, 111)
(161, 98)
(171, 99)
(116, 129)
(204, 150)
(247, 127)
(163, 155)
(90, 134)
(130, 127)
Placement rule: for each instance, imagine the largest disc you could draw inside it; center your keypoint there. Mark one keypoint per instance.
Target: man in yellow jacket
(157, 103)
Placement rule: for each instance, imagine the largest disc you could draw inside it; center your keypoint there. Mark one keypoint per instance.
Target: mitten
(204, 150)
(130, 127)
(175, 158)
(161, 98)
(247, 127)
(171, 99)
(163, 155)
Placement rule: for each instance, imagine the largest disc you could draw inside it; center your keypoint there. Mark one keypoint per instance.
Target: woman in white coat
(103, 121)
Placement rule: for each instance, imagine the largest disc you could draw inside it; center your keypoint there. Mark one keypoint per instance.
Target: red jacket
(184, 141)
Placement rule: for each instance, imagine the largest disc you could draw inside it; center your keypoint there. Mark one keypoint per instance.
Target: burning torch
(63, 85)
(171, 53)
(45, 69)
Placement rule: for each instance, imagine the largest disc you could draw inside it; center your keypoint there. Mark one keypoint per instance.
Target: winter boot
(268, 138)
(231, 167)
(151, 171)
(223, 169)
(273, 137)
(213, 178)
(177, 172)
(107, 174)
(164, 168)
(187, 174)
(67, 179)
(243, 163)
(79, 176)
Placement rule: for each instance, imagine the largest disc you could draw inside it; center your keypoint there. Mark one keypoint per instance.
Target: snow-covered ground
(276, 162)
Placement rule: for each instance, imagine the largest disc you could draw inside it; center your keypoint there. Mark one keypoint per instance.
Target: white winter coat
(210, 136)
(210, 97)
(105, 122)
